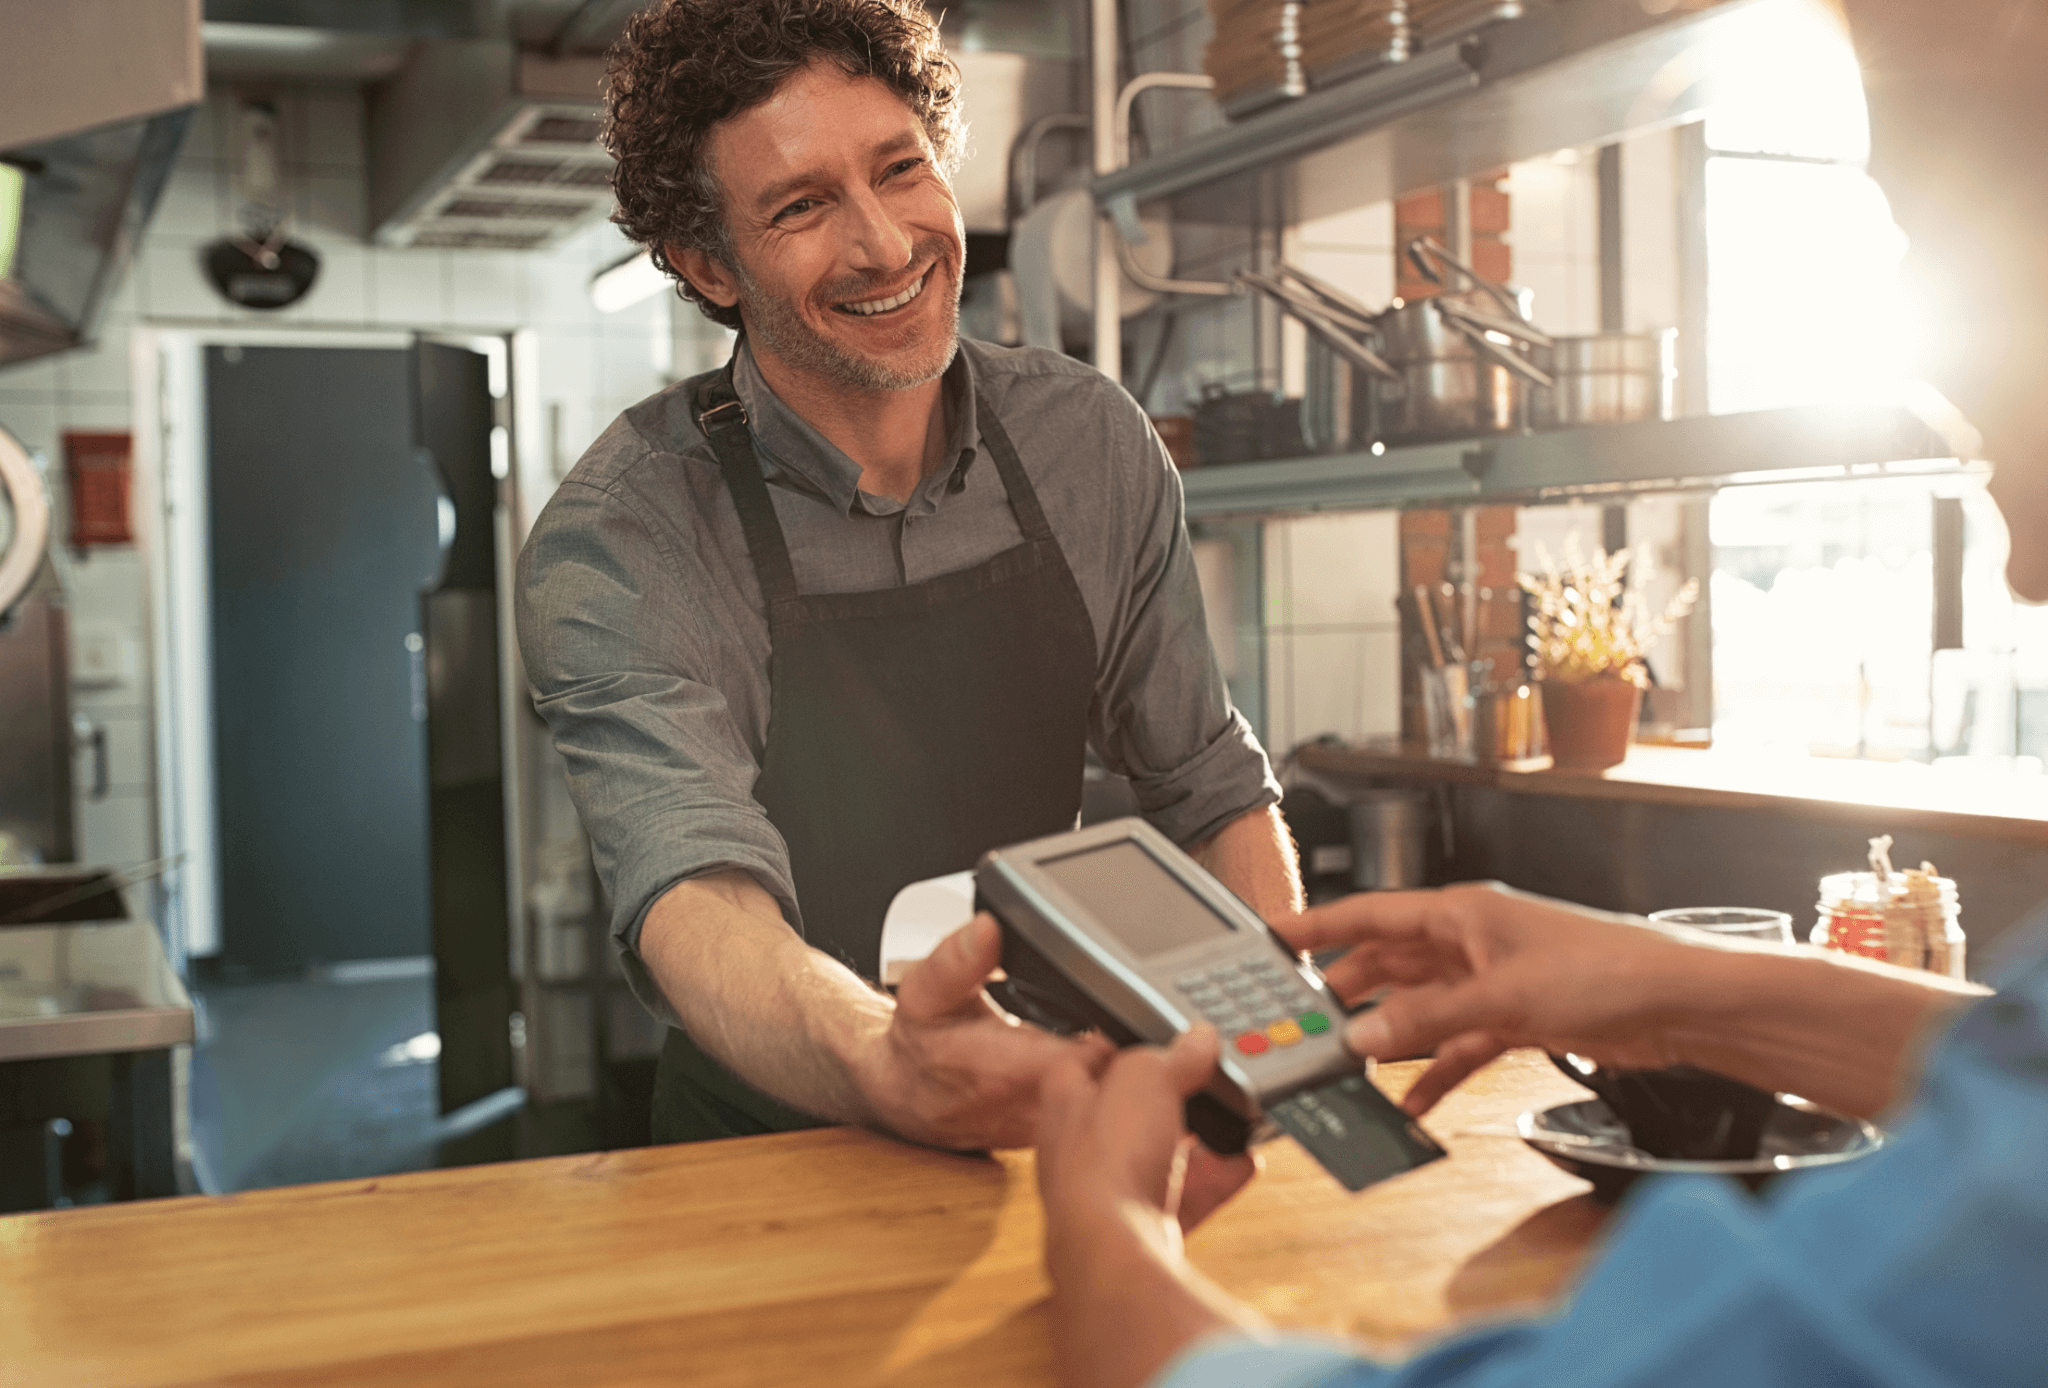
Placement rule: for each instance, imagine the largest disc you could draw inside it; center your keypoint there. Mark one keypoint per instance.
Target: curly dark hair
(682, 67)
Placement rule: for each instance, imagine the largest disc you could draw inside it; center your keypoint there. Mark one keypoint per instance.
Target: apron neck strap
(724, 421)
(1023, 500)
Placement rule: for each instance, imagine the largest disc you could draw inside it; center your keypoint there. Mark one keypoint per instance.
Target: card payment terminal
(1113, 927)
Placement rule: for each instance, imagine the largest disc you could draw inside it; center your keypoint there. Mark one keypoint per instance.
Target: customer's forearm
(786, 1018)
(1844, 1032)
(1125, 1303)
(1253, 855)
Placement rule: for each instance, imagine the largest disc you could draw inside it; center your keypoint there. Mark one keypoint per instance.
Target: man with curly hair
(848, 612)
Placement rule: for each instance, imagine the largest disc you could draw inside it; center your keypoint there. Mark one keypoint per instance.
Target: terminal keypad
(1256, 1003)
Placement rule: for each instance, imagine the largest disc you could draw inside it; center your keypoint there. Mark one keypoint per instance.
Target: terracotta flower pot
(1590, 724)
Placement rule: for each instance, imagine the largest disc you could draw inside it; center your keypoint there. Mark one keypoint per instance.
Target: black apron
(910, 730)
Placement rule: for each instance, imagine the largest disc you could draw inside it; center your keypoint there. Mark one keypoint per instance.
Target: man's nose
(879, 241)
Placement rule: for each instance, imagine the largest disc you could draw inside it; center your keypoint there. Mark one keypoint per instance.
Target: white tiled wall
(1332, 637)
(591, 366)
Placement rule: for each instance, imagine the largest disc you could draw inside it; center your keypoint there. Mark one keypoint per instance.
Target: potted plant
(1590, 632)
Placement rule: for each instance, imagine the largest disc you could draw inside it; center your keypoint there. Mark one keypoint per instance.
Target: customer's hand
(1111, 1137)
(953, 1069)
(1475, 970)
(1121, 1180)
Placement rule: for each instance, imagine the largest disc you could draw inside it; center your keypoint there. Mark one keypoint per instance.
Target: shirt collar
(789, 448)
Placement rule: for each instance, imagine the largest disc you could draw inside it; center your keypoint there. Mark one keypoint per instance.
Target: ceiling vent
(478, 145)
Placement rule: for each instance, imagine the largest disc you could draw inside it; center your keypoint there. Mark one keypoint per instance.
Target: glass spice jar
(1852, 919)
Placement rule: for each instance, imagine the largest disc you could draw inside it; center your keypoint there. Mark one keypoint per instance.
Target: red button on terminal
(1253, 1043)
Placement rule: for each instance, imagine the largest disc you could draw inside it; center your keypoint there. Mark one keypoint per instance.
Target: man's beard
(777, 325)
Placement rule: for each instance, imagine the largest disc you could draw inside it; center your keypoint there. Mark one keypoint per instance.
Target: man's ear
(707, 273)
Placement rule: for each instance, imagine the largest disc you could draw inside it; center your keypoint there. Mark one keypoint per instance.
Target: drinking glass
(1741, 922)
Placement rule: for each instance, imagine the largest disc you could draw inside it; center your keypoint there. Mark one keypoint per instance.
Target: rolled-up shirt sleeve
(617, 648)
(1162, 715)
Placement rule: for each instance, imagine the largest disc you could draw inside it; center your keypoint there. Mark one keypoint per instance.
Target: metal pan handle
(1512, 360)
(1422, 247)
(1326, 330)
(1511, 327)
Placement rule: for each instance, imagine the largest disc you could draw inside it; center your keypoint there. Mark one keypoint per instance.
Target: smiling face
(845, 241)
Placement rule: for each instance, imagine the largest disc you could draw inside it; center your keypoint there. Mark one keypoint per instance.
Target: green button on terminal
(1314, 1023)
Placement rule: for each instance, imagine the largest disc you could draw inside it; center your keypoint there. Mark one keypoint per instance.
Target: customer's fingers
(1455, 1059)
(1415, 1021)
(1404, 963)
(1357, 918)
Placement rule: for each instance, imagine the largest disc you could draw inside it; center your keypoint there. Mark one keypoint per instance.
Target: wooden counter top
(1882, 795)
(829, 1257)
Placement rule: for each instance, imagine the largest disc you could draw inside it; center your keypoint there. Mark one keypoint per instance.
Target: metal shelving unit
(1568, 73)
(1807, 443)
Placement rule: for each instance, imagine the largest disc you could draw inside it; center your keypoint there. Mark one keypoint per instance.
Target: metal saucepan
(1337, 328)
(1461, 355)
(1343, 365)
(1606, 378)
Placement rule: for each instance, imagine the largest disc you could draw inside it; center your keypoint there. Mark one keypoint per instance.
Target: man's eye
(904, 165)
(797, 208)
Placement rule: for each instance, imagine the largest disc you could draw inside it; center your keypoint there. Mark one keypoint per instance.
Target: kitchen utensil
(1425, 612)
(24, 521)
(1344, 366)
(1605, 378)
(1734, 922)
(1389, 839)
(1447, 711)
(1507, 721)
(1337, 328)
(1456, 381)
(1588, 1141)
(1451, 623)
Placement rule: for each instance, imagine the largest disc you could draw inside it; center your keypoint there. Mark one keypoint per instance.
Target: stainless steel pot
(1336, 411)
(1461, 357)
(1390, 839)
(1606, 378)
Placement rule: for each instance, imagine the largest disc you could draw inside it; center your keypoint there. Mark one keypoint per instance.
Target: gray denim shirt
(645, 635)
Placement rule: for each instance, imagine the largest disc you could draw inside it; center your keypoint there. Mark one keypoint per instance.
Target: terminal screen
(1147, 908)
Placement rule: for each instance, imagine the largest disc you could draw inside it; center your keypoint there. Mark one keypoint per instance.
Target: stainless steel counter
(88, 988)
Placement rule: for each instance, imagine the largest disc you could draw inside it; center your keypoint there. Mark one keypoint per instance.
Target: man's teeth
(884, 305)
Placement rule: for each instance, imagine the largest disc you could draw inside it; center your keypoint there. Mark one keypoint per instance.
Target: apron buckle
(704, 420)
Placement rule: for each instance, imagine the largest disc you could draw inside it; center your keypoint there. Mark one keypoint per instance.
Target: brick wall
(1432, 539)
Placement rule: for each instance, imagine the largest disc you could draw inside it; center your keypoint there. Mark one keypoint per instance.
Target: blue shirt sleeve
(1922, 1264)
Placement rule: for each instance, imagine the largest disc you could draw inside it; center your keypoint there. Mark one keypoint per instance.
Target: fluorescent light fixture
(626, 283)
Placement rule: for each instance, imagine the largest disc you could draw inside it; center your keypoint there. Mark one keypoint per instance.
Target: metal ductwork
(99, 95)
(477, 143)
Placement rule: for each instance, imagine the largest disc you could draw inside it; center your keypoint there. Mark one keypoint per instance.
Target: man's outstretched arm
(938, 1064)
